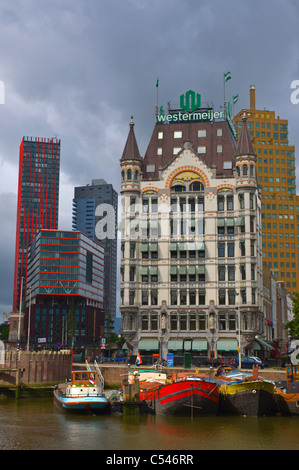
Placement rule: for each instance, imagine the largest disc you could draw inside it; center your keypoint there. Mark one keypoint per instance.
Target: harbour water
(38, 424)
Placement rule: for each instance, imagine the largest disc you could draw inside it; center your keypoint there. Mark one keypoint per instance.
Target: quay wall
(29, 368)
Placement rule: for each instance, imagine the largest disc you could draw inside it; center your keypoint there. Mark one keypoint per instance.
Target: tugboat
(83, 394)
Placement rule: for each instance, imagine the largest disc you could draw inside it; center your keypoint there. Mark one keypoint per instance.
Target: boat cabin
(84, 378)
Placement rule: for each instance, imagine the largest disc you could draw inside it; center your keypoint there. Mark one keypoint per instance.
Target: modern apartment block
(65, 290)
(38, 200)
(276, 179)
(95, 208)
(191, 259)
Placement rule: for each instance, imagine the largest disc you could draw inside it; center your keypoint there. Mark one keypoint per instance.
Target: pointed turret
(245, 158)
(131, 151)
(130, 163)
(244, 146)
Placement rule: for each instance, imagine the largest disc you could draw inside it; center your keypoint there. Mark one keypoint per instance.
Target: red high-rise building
(38, 195)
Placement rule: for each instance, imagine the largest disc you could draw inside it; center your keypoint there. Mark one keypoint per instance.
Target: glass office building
(38, 199)
(91, 204)
(65, 289)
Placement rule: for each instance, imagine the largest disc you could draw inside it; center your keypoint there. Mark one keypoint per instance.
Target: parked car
(248, 362)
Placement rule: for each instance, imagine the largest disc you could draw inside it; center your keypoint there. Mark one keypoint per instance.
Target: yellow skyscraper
(276, 179)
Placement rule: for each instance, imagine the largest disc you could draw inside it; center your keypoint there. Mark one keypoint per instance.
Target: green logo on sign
(190, 101)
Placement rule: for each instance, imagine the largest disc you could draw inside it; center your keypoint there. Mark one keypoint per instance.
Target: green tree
(4, 331)
(293, 325)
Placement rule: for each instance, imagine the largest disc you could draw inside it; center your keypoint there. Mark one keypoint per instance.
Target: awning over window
(191, 246)
(148, 345)
(199, 345)
(183, 270)
(200, 246)
(220, 222)
(144, 270)
(227, 345)
(187, 344)
(230, 222)
(144, 247)
(173, 246)
(201, 269)
(182, 246)
(240, 221)
(154, 223)
(153, 270)
(191, 269)
(175, 345)
(173, 269)
(154, 247)
(262, 343)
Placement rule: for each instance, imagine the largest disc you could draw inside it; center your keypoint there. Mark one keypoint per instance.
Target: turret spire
(131, 151)
(244, 146)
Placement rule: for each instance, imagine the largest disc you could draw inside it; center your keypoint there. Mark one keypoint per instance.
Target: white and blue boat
(83, 394)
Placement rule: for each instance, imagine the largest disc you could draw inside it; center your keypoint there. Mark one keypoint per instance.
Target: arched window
(196, 186)
(178, 188)
(245, 170)
(136, 175)
(129, 174)
(238, 170)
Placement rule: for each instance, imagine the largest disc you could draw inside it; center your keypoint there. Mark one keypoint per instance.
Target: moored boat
(287, 401)
(243, 394)
(84, 393)
(188, 396)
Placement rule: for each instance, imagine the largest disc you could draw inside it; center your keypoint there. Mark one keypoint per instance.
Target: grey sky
(78, 69)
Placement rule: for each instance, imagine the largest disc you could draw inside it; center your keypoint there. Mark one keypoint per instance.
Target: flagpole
(157, 86)
(224, 107)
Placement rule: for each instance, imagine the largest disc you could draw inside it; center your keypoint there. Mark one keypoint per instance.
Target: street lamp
(29, 315)
(20, 313)
(239, 338)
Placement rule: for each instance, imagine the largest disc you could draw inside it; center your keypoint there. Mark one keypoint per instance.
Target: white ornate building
(191, 261)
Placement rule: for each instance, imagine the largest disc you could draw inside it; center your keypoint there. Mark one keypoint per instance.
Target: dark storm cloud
(78, 69)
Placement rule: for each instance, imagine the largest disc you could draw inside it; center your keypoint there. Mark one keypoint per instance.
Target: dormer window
(177, 134)
(202, 133)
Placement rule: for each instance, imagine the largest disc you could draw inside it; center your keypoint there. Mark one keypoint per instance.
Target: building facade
(38, 200)
(65, 290)
(95, 209)
(276, 179)
(191, 259)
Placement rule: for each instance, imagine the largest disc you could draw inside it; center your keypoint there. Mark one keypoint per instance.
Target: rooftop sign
(190, 102)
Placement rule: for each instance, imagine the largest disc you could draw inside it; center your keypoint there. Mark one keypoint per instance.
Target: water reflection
(39, 424)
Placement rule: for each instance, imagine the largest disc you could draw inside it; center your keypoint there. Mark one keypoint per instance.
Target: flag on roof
(227, 76)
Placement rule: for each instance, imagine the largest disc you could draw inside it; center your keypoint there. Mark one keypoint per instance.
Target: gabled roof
(131, 151)
(244, 146)
(190, 133)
